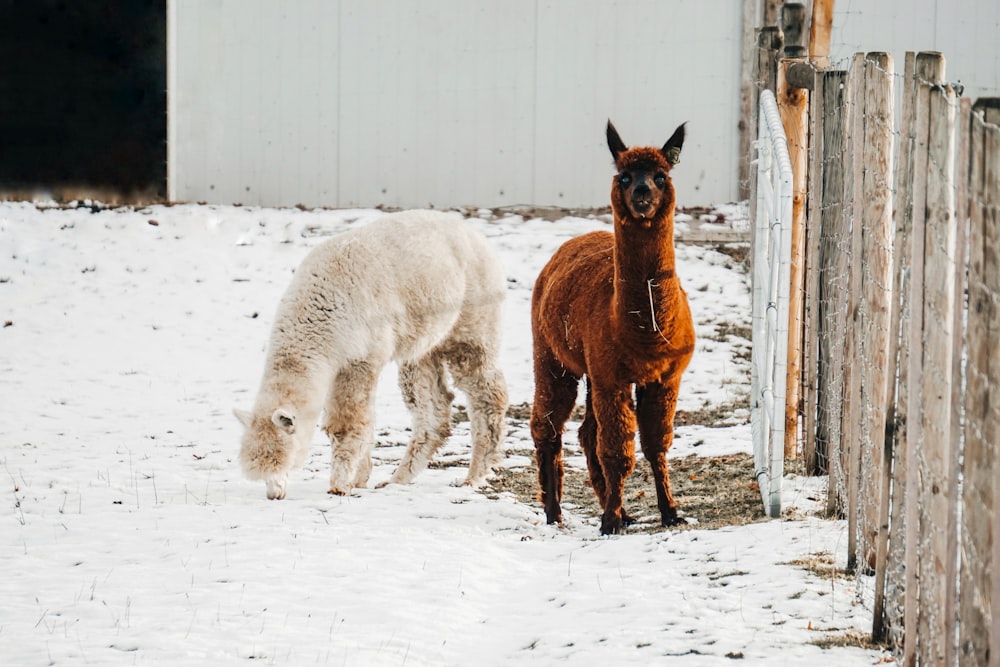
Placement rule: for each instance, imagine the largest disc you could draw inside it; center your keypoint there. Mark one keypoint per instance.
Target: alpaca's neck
(642, 254)
(645, 275)
(294, 382)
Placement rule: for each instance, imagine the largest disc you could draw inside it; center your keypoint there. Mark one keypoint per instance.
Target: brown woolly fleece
(610, 307)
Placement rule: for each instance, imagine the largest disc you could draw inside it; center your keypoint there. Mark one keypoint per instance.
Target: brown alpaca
(610, 307)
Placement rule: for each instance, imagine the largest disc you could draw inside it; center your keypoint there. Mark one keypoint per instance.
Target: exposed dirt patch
(725, 330)
(731, 413)
(715, 491)
(740, 252)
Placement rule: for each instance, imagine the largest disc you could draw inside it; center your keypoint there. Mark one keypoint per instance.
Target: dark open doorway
(83, 97)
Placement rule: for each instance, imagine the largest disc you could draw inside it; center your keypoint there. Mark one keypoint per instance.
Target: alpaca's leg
(615, 451)
(588, 442)
(349, 422)
(476, 374)
(655, 405)
(426, 394)
(555, 394)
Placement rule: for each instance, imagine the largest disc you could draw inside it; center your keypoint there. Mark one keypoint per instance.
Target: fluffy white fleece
(420, 288)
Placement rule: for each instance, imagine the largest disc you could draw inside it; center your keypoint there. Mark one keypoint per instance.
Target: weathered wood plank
(960, 220)
(876, 288)
(928, 67)
(991, 272)
(888, 623)
(770, 9)
(831, 274)
(990, 108)
(937, 477)
(769, 43)
(769, 39)
(851, 421)
(810, 337)
(819, 32)
(793, 107)
(980, 450)
(793, 25)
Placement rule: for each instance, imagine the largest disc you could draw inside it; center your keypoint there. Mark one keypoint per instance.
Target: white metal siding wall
(445, 102)
(967, 33)
(491, 103)
(436, 102)
(253, 102)
(648, 66)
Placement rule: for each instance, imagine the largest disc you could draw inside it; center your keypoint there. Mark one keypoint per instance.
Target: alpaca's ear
(243, 416)
(615, 142)
(672, 149)
(284, 420)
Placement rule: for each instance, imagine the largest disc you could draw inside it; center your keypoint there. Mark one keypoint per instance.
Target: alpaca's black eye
(660, 180)
(624, 179)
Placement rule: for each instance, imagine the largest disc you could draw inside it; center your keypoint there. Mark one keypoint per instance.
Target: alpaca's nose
(641, 191)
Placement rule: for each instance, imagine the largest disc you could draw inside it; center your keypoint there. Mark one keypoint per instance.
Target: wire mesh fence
(900, 401)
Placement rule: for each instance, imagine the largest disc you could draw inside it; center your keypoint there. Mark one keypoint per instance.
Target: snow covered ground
(130, 537)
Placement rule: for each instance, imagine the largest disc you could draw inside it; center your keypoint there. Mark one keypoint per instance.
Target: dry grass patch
(822, 565)
(849, 639)
(715, 491)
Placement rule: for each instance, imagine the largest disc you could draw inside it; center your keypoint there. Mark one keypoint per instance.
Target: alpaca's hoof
(614, 524)
(612, 527)
(673, 520)
(474, 482)
(276, 488)
(340, 487)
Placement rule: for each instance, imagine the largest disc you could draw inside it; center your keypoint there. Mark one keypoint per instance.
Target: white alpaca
(420, 288)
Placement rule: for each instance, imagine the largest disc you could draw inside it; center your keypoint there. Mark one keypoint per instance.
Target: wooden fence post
(769, 39)
(929, 67)
(843, 245)
(876, 285)
(769, 11)
(819, 50)
(991, 222)
(888, 622)
(990, 108)
(831, 271)
(960, 210)
(850, 415)
(810, 338)
(769, 43)
(820, 26)
(793, 26)
(793, 106)
(982, 401)
(935, 376)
